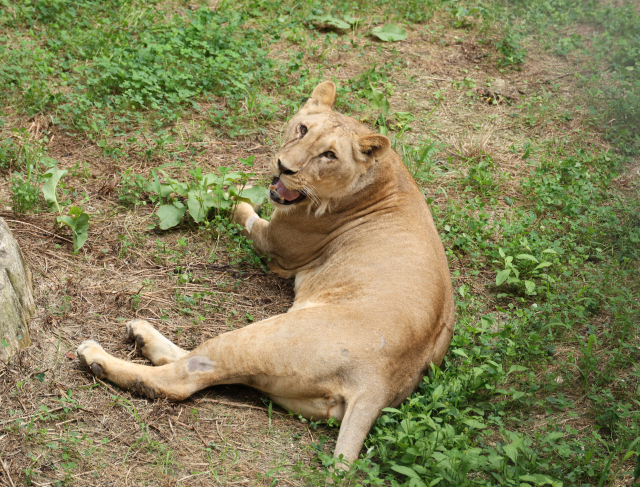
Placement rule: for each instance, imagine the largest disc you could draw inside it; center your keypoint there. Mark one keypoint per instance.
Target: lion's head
(326, 155)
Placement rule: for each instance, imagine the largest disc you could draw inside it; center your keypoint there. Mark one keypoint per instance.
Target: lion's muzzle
(279, 193)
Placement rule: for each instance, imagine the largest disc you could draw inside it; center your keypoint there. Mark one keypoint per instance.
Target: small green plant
(521, 271)
(461, 13)
(513, 54)
(9, 152)
(24, 195)
(480, 175)
(131, 189)
(203, 194)
(588, 359)
(78, 222)
(75, 219)
(420, 161)
(30, 159)
(347, 22)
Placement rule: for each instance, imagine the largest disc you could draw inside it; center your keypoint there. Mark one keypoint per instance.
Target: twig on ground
(41, 229)
(6, 470)
(236, 404)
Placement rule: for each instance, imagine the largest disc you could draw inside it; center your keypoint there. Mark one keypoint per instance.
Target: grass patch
(612, 50)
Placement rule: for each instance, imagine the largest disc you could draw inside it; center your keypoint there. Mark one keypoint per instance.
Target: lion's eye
(303, 130)
(329, 155)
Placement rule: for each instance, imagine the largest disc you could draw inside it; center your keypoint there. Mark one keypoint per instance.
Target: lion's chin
(280, 194)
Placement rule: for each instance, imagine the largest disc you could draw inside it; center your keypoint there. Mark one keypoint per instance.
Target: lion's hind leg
(176, 381)
(153, 345)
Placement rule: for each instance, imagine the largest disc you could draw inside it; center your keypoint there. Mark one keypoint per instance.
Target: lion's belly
(315, 408)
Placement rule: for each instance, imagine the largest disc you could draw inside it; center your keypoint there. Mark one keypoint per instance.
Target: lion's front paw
(93, 356)
(243, 212)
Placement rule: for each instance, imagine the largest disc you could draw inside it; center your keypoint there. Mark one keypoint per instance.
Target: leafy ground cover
(126, 126)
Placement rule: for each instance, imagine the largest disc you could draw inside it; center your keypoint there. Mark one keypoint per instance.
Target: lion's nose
(284, 170)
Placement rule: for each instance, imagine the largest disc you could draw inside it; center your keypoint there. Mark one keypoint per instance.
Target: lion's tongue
(285, 193)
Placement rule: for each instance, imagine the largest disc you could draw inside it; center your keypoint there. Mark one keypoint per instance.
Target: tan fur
(374, 303)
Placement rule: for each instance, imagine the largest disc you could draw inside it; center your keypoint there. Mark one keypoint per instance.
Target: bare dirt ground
(225, 435)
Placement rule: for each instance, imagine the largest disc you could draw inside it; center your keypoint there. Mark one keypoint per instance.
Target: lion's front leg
(255, 228)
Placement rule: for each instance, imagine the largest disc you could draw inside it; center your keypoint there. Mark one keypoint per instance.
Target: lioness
(374, 303)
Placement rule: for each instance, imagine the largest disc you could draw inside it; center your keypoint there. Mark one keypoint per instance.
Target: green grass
(541, 383)
(611, 49)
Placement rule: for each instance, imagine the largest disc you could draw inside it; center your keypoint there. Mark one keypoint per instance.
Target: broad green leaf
(527, 257)
(199, 204)
(49, 188)
(409, 472)
(181, 188)
(474, 424)
(392, 410)
(459, 351)
(529, 286)
(156, 187)
(389, 33)
(221, 199)
(81, 233)
(377, 99)
(517, 368)
(502, 276)
(352, 21)
(78, 221)
(554, 435)
(248, 161)
(211, 179)
(543, 265)
(539, 479)
(327, 19)
(170, 215)
(231, 177)
(511, 450)
(254, 195)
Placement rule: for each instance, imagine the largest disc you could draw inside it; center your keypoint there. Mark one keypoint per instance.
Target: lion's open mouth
(281, 194)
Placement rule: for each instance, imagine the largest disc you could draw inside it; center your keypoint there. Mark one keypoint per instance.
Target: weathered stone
(16, 295)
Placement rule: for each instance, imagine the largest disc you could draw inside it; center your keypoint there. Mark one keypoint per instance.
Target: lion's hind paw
(90, 353)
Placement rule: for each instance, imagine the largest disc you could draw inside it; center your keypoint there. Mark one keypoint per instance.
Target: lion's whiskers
(311, 192)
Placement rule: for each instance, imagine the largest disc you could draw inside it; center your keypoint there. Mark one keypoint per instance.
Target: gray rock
(16, 295)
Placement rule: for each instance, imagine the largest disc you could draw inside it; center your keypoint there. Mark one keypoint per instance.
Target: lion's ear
(322, 98)
(373, 146)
